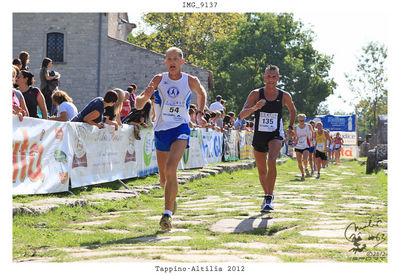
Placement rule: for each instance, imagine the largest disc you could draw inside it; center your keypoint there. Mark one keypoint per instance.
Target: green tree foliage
(238, 47)
(369, 86)
(192, 32)
(239, 61)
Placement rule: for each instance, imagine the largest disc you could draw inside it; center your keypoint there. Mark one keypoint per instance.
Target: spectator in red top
(126, 106)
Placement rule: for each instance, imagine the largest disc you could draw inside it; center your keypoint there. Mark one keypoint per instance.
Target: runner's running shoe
(317, 177)
(307, 173)
(166, 222)
(267, 203)
(302, 177)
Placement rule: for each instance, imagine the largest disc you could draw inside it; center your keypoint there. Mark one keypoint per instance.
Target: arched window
(55, 46)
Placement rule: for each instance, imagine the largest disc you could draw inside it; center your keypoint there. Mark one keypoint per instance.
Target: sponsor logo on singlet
(173, 92)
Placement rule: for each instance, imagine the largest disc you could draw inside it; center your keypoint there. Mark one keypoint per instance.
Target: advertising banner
(245, 148)
(146, 153)
(102, 155)
(337, 123)
(211, 146)
(193, 156)
(230, 145)
(41, 156)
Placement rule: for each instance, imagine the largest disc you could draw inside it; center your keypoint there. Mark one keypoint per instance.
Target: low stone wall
(377, 158)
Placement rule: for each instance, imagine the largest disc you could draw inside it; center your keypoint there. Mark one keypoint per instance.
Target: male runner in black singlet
(267, 103)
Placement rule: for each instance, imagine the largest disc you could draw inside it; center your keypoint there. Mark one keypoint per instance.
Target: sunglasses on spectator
(301, 120)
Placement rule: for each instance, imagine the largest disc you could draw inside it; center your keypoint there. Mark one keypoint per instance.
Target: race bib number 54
(268, 122)
(174, 111)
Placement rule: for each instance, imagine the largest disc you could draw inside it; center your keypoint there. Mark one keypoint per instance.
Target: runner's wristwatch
(199, 112)
(290, 127)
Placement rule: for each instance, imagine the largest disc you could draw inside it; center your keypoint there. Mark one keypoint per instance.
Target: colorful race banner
(47, 154)
(102, 155)
(245, 147)
(193, 156)
(337, 123)
(146, 153)
(211, 146)
(41, 156)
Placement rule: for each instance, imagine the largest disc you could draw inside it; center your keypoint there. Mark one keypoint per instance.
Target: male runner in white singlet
(171, 126)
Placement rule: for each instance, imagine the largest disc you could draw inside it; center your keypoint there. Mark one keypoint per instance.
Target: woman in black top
(32, 95)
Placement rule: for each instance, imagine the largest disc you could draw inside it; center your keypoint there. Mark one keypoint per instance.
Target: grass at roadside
(224, 196)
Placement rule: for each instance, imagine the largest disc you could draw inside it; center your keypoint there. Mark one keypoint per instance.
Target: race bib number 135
(268, 122)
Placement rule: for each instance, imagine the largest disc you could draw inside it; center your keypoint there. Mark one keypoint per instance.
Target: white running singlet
(172, 100)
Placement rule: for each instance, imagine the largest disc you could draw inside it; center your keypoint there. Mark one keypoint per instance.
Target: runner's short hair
(175, 49)
(218, 98)
(272, 68)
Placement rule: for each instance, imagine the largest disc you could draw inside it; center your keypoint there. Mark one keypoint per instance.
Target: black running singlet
(268, 120)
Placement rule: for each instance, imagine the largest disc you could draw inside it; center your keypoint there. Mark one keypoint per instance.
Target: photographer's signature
(353, 233)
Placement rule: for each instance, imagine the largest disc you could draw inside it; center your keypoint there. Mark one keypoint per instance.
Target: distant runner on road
(267, 103)
(321, 138)
(303, 137)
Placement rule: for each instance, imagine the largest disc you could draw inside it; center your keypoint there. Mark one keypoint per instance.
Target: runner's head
(174, 59)
(271, 75)
(337, 134)
(319, 125)
(312, 123)
(301, 118)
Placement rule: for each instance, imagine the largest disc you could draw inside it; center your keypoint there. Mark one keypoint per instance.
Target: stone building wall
(121, 62)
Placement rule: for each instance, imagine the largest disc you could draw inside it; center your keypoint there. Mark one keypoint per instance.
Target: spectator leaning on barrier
(94, 110)
(112, 114)
(24, 57)
(32, 95)
(140, 118)
(18, 94)
(66, 109)
(227, 123)
(48, 83)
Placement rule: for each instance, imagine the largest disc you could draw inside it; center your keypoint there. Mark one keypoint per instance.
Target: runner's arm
(287, 98)
(144, 97)
(251, 105)
(195, 85)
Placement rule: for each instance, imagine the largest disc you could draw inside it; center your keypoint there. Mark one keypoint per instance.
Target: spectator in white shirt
(217, 106)
(66, 109)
